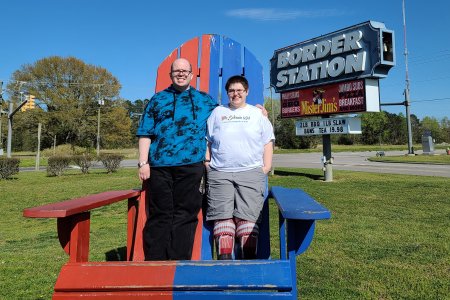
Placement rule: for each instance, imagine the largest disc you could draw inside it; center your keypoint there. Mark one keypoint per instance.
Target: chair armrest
(298, 205)
(73, 219)
(298, 212)
(78, 205)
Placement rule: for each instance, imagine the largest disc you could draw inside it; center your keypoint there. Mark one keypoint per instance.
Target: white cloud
(271, 14)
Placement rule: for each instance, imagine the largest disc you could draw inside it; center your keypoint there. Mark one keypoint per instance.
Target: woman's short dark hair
(237, 79)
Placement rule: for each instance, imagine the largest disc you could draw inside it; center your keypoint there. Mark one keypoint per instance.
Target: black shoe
(225, 256)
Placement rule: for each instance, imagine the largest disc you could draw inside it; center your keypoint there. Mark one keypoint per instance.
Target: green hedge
(57, 164)
(111, 161)
(8, 167)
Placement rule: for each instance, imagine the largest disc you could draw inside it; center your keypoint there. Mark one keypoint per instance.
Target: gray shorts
(236, 194)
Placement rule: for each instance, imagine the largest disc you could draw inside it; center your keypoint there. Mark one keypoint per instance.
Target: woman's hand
(266, 170)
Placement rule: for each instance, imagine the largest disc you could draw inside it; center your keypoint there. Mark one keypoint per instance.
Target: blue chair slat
(231, 63)
(214, 65)
(300, 235)
(264, 228)
(207, 241)
(221, 295)
(234, 275)
(296, 204)
(253, 71)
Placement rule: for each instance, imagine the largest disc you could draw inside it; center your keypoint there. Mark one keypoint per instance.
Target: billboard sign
(365, 50)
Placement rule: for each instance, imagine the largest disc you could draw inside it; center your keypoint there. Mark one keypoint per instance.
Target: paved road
(352, 161)
(357, 161)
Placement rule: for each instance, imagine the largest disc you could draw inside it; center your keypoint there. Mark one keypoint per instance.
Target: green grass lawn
(442, 159)
(388, 237)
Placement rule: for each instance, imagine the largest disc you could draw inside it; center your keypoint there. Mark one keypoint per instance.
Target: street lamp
(100, 103)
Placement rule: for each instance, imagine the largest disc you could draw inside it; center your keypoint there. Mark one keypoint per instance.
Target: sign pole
(327, 163)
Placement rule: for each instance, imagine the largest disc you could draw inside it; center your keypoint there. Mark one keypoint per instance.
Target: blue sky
(130, 38)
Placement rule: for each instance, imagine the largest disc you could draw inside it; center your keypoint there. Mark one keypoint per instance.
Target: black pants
(174, 201)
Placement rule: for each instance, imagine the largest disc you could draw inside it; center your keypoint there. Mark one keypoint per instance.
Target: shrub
(8, 167)
(66, 149)
(111, 161)
(57, 164)
(345, 140)
(84, 161)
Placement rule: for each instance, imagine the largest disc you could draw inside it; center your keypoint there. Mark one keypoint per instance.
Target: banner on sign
(328, 126)
(352, 96)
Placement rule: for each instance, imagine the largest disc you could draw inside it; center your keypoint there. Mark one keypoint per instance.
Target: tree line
(377, 128)
(71, 95)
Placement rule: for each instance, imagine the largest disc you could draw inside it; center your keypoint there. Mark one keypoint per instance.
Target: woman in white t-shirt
(239, 156)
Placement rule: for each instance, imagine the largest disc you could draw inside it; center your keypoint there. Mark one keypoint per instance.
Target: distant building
(30, 103)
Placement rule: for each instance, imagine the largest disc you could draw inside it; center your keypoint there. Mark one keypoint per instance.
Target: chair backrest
(214, 59)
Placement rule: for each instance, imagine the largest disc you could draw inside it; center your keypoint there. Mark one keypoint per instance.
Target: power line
(428, 100)
(420, 100)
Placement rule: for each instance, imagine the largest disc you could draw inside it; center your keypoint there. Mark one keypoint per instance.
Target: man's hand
(144, 172)
(263, 110)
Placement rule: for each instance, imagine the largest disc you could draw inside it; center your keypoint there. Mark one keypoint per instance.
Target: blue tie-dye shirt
(176, 123)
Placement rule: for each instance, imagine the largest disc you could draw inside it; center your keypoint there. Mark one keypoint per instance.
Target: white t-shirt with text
(237, 138)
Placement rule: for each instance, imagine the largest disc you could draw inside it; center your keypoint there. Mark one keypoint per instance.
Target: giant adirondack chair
(202, 277)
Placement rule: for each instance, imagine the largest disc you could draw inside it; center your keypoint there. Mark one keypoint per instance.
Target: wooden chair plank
(173, 295)
(297, 204)
(225, 295)
(264, 233)
(142, 214)
(162, 78)
(78, 205)
(116, 276)
(73, 235)
(118, 295)
(231, 63)
(300, 235)
(233, 275)
(253, 71)
(176, 275)
(210, 65)
(189, 50)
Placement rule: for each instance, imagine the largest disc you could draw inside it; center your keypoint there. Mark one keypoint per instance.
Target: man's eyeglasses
(231, 92)
(181, 72)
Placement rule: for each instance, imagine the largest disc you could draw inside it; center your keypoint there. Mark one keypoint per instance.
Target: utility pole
(1, 117)
(38, 155)
(11, 113)
(407, 102)
(100, 103)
